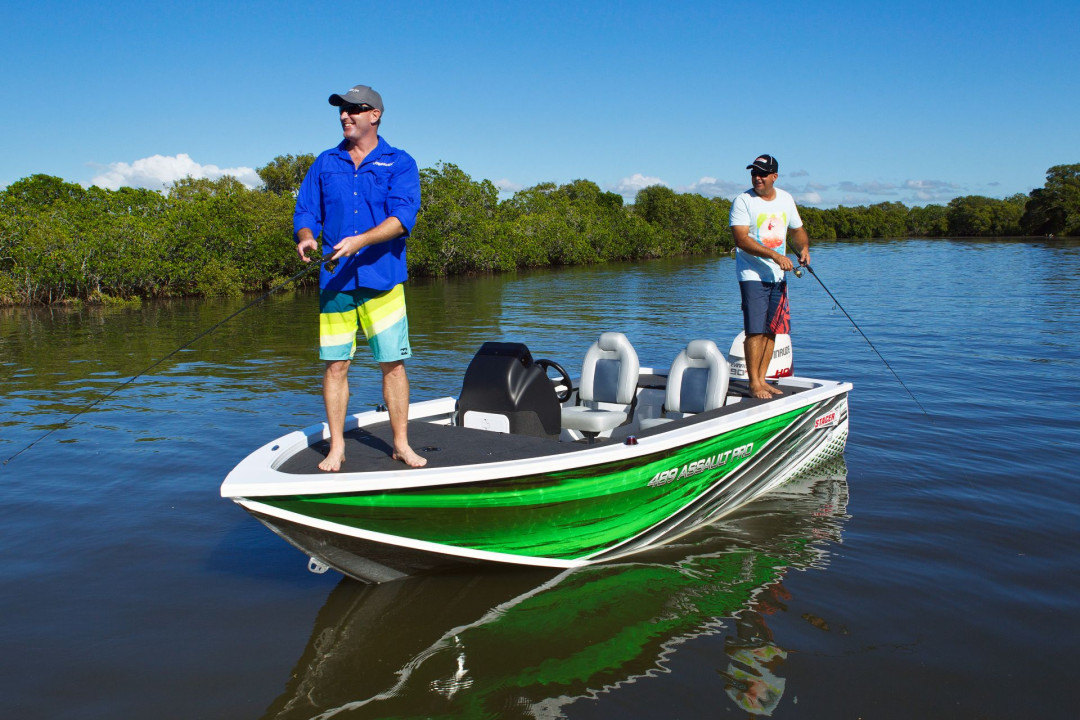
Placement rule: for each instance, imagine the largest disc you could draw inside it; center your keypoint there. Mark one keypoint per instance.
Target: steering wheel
(564, 378)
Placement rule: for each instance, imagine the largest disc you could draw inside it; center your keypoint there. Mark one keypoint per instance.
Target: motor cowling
(780, 365)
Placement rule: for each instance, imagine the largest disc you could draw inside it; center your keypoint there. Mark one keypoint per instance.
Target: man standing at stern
(362, 196)
(760, 220)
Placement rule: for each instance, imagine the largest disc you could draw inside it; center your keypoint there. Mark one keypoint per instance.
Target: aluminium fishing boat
(528, 470)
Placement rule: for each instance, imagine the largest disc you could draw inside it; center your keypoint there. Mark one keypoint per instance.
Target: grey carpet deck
(368, 449)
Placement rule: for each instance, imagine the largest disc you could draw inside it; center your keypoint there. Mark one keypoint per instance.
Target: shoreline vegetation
(62, 243)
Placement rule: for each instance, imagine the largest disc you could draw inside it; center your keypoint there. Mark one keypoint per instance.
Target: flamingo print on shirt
(772, 229)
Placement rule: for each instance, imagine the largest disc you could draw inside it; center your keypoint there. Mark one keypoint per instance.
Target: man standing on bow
(362, 196)
(760, 220)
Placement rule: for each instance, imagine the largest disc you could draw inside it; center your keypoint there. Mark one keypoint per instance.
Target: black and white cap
(765, 163)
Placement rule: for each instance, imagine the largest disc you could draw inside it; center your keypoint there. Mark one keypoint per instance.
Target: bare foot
(410, 458)
(333, 461)
(774, 390)
(764, 392)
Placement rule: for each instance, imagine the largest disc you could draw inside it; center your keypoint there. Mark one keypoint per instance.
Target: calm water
(933, 573)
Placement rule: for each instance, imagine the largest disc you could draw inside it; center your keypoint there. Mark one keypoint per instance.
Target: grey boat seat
(608, 386)
(698, 381)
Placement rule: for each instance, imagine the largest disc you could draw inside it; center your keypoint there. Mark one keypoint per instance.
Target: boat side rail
(651, 389)
(739, 400)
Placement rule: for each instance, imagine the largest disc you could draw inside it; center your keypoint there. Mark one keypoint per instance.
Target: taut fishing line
(856, 325)
(209, 330)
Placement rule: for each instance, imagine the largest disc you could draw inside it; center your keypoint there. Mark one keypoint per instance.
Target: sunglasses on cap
(354, 109)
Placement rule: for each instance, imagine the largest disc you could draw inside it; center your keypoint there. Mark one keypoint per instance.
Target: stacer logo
(825, 420)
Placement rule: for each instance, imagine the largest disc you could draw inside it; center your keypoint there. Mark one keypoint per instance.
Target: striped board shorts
(765, 308)
(380, 315)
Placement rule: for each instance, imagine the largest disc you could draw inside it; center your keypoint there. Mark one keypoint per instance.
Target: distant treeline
(61, 242)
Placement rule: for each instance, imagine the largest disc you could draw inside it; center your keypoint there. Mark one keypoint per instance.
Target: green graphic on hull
(566, 515)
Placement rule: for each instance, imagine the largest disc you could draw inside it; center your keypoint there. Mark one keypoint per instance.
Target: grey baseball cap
(358, 95)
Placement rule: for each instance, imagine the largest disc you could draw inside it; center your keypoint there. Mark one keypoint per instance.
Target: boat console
(505, 390)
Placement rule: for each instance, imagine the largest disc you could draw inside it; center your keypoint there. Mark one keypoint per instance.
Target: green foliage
(684, 224)
(972, 215)
(817, 223)
(881, 220)
(283, 174)
(928, 221)
(572, 224)
(1054, 209)
(456, 230)
(60, 242)
(543, 226)
(463, 228)
(977, 215)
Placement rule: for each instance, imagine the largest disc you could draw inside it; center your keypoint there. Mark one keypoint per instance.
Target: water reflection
(526, 643)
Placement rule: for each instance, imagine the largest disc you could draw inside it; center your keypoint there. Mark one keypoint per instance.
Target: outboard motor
(506, 391)
(779, 366)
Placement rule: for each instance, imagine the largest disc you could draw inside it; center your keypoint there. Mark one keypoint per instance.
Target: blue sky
(861, 102)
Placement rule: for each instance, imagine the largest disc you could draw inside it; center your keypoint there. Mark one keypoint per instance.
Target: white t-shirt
(768, 221)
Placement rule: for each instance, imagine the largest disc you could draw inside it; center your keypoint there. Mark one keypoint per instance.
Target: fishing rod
(121, 386)
(798, 274)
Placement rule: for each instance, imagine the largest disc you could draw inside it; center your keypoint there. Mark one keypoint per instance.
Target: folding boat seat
(697, 381)
(608, 386)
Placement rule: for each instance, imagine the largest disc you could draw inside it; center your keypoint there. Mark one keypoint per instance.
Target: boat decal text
(825, 420)
(698, 466)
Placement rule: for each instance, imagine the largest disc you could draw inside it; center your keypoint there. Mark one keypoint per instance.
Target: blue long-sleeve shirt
(340, 200)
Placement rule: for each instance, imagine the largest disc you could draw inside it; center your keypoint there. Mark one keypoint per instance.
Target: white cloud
(810, 192)
(868, 188)
(930, 185)
(711, 187)
(934, 187)
(159, 172)
(629, 186)
(932, 191)
(506, 186)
